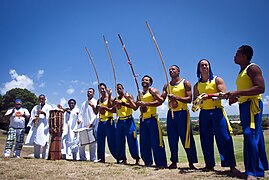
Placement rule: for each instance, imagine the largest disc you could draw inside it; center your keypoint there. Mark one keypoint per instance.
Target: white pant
(92, 150)
(44, 151)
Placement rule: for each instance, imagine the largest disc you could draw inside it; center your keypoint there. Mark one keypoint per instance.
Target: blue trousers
(150, 142)
(126, 128)
(212, 122)
(106, 129)
(176, 128)
(255, 158)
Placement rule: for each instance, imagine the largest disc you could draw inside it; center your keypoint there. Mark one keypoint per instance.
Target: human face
(71, 104)
(146, 82)
(120, 89)
(90, 94)
(239, 56)
(17, 105)
(204, 67)
(42, 100)
(174, 71)
(102, 90)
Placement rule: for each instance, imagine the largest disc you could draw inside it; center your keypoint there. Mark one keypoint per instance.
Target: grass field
(29, 168)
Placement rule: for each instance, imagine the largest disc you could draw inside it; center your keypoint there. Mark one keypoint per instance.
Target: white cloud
(18, 81)
(41, 85)
(266, 105)
(63, 102)
(40, 73)
(74, 81)
(230, 109)
(95, 83)
(70, 91)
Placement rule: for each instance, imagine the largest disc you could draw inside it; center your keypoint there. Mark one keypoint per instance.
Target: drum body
(86, 136)
(56, 119)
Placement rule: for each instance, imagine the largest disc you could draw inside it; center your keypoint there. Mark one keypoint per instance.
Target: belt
(125, 117)
(103, 120)
(147, 117)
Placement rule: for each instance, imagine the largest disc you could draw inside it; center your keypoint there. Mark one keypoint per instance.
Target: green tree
(29, 100)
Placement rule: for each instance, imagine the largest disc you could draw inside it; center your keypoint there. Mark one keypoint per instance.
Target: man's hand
(233, 98)
(109, 91)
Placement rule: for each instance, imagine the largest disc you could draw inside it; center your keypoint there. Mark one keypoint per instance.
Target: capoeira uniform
(151, 138)
(251, 108)
(180, 126)
(106, 128)
(16, 130)
(70, 138)
(87, 118)
(39, 136)
(213, 121)
(126, 128)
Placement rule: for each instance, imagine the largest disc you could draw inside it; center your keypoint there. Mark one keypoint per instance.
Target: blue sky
(42, 43)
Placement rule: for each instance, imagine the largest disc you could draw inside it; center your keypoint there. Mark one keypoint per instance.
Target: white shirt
(16, 119)
(40, 134)
(87, 116)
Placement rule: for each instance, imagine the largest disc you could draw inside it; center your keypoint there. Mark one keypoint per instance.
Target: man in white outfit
(39, 123)
(69, 137)
(88, 118)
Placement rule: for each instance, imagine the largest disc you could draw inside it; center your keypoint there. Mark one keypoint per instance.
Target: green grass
(237, 142)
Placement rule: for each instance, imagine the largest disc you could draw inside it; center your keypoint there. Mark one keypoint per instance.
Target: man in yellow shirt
(250, 86)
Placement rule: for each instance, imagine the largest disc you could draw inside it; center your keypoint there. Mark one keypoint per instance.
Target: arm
(255, 74)
(9, 113)
(130, 99)
(109, 100)
(164, 93)
(188, 94)
(157, 99)
(195, 92)
(94, 108)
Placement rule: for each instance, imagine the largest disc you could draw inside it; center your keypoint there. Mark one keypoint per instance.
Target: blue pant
(255, 159)
(126, 128)
(106, 129)
(176, 128)
(212, 122)
(150, 141)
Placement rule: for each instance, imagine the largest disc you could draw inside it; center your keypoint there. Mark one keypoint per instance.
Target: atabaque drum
(56, 119)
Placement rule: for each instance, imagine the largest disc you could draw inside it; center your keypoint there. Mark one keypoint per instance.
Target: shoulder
(186, 82)
(253, 69)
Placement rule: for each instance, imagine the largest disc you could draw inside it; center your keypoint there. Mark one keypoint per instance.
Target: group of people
(213, 121)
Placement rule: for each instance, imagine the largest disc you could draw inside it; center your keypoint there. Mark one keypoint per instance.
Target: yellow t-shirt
(243, 81)
(151, 110)
(209, 87)
(124, 110)
(179, 90)
(107, 114)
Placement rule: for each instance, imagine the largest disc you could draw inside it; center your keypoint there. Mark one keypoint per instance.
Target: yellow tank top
(124, 110)
(179, 90)
(107, 114)
(209, 87)
(151, 110)
(243, 81)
